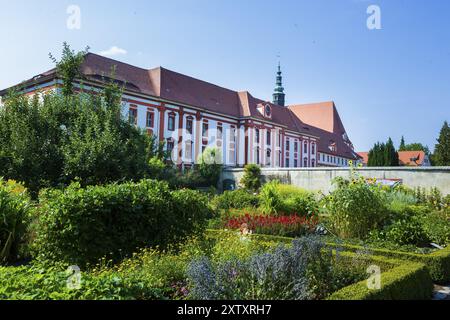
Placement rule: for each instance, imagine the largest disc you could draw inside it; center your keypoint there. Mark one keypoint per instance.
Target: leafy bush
(14, 219)
(405, 231)
(50, 283)
(355, 208)
(252, 177)
(270, 199)
(80, 226)
(52, 141)
(436, 226)
(399, 201)
(237, 199)
(276, 198)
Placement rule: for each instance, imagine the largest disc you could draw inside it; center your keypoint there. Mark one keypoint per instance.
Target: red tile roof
(406, 158)
(411, 158)
(321, 119)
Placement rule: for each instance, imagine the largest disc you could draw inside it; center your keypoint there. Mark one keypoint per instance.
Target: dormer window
(268, 111)
(265, 110)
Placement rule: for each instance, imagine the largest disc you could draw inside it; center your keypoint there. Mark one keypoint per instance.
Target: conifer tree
(441, 155)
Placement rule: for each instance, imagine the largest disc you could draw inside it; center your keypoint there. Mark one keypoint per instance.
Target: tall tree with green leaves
(441, 156)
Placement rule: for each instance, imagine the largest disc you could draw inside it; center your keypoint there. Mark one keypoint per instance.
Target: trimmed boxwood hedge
(403, 281)
(82, 225)
(437, 263)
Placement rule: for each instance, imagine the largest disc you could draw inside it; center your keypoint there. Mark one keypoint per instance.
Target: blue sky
(389, 82)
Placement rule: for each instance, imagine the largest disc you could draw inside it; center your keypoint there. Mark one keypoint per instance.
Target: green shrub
(436, 226)
(297, 201)
(270, 199)
(237, 199)
(252, 177)
(38, 282)
(406, 231)
(355, 208)
(14, 219)
(80, 226)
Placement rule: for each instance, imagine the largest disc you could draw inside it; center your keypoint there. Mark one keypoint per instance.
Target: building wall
(246, 148)
(320, 179)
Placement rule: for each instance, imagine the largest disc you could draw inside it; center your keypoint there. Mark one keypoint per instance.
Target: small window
(287, 162)
(189, 124)
(257, 135)
(257, 156)
(305, 162)
(150, 119)
(313, 149)
(268, 137)
(171, 122)
(295, 163)
(305, 147)
(170, 147)
(288, 144)
(219, 131)
(205, 129)
(132, 116)
(295, 146)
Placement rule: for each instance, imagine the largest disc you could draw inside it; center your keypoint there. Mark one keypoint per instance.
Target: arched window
(313, 163)
(305, 147)
(171, 122)
(305, 162)
(313, 148)
(268, 157)
(189, 124)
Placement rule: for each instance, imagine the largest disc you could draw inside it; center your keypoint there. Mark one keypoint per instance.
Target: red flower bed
(290, 226)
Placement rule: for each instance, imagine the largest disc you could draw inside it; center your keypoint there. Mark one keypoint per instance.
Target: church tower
(278, 95)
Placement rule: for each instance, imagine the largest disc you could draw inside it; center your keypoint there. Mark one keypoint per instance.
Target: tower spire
(278, 95)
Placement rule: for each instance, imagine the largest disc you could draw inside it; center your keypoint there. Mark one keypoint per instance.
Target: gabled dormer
(265, 109)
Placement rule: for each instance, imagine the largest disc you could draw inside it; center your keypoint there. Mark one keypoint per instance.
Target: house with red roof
(190, 115)
(406, 158)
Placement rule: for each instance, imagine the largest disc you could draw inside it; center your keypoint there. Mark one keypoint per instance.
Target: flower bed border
(407, 279)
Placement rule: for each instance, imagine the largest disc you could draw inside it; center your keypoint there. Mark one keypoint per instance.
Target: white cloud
(114, 51)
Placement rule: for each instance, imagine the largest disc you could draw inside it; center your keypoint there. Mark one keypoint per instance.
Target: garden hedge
(437, 263)
(82, 225)
(402, 281)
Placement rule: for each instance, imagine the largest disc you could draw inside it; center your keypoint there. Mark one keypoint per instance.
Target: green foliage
(405, 231)
(252, 177)
(383, 155)
(68, 68)
(237, 199)
(52, 141)
(355, 208)
(210, 165)
(270, 199)
(436, 226)
(441, 156)
(80, 226)
(406, 281)
(276, 198)
(14, 219)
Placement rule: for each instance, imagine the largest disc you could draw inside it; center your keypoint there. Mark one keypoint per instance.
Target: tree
(383, 155)
(402, 144)
(68, 68)
(415, 146)
(441, 155)
(52, 141)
